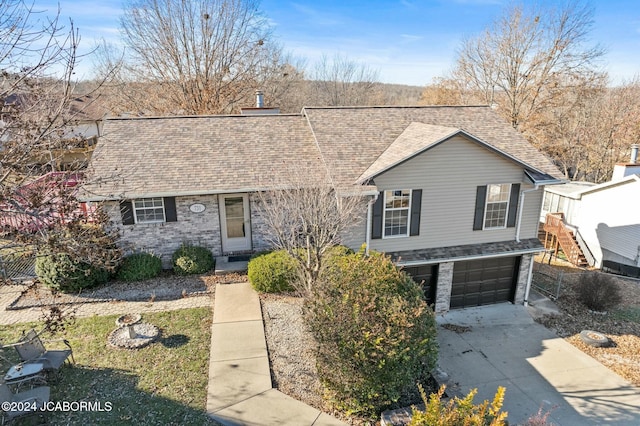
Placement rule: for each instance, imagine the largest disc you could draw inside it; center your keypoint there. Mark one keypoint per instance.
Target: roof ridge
(170, 117)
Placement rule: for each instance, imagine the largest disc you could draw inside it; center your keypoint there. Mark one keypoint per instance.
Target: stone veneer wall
(259, 229)
(443, 289)
(162, 239)
(523, 278)
(202, 229)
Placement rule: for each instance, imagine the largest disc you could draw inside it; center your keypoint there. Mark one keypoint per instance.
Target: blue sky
(407, 41)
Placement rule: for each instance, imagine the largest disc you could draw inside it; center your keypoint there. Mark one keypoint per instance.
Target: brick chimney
(622, 170)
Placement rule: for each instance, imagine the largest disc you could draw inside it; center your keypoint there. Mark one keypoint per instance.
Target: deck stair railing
(559, 237)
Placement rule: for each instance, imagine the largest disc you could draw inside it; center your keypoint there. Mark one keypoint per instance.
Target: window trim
(506, 210)
(384, 213)
(146, 222)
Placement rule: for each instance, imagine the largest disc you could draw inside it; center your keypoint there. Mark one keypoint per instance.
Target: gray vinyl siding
(531, 212)
(448, 175)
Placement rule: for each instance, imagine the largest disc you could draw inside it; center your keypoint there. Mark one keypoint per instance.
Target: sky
(405, 41)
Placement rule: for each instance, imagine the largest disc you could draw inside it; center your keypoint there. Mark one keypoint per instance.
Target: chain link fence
(17, 262)
(550, 281)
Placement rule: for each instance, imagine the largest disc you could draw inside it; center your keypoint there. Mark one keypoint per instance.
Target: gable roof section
(202, 155)
(352, 139)
(416, 138)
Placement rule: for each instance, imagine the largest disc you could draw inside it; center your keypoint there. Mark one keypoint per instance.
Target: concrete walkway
(505, 347)
(240, 390)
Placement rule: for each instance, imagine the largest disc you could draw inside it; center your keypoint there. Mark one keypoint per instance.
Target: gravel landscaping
(621, 325)
(293, 362)
(167, 286)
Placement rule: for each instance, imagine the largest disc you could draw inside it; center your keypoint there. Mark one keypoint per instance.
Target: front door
(234, 221)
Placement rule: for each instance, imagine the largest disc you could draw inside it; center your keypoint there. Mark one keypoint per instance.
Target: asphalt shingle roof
(352, 138)
(197, 155)
(164, 156)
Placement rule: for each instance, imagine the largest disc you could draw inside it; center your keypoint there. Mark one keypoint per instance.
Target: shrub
(61, 272)
(139, 266)
(459, 411)
(376, 335)
(272, 272)
(189, 260)
(598, 291)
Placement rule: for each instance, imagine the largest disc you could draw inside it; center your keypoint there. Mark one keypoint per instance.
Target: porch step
(224, 266)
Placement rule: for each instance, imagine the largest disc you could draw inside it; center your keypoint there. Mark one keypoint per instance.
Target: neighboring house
(80, 133)
(454, 192)
(604, 218)
(42, 204)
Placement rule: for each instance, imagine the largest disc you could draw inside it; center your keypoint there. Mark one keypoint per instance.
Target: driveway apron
(501, 345)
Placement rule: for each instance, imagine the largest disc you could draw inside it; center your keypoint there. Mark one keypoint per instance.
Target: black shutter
(170, 214)
(481, 197)
(416, 204)
(513, 205)
(126, 211)
(376, 219)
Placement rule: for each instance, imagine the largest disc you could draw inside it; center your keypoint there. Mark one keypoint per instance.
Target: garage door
(484, 281)
(427, 276)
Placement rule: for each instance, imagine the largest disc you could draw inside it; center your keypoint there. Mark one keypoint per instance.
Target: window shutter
(481, 197)
(416, 204)
(126, 211)
(513, 205)
(170, 213)
(376, 219)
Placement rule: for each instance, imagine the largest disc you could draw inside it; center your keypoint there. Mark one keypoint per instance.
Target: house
(603, 219)
(454, 193)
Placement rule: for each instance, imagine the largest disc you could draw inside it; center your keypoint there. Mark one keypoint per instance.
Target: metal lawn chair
(23, 403)
(32, 350)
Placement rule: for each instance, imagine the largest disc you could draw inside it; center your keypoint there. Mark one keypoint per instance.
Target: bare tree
(589, 129)
(341, 81)
(528, 57)
(38, 125)
(307, 221)
(197, 57)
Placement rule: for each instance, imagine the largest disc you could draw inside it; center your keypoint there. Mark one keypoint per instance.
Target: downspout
(369, 218)
(521, 204)
(518, 225)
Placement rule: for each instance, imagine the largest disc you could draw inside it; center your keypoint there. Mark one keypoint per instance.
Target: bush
(376, 335)
(61, 272)
(189, 260)
(139, 266)
(598, 291)
(459, 411)
(272, 272)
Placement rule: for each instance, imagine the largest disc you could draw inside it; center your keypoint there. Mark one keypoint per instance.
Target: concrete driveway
(505, 347)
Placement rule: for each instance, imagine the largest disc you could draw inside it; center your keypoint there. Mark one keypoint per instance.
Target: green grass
(164, 383)
(628, 314)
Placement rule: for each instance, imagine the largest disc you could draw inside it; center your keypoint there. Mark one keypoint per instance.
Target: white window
(397, 205)
(495, 212)
(149, 210)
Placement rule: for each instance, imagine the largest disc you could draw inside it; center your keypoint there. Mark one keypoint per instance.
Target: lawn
(164, 383)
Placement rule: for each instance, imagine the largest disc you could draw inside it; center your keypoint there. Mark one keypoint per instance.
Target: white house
(604, 218)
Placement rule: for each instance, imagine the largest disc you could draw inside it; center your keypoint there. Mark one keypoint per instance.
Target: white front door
(234, 222)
